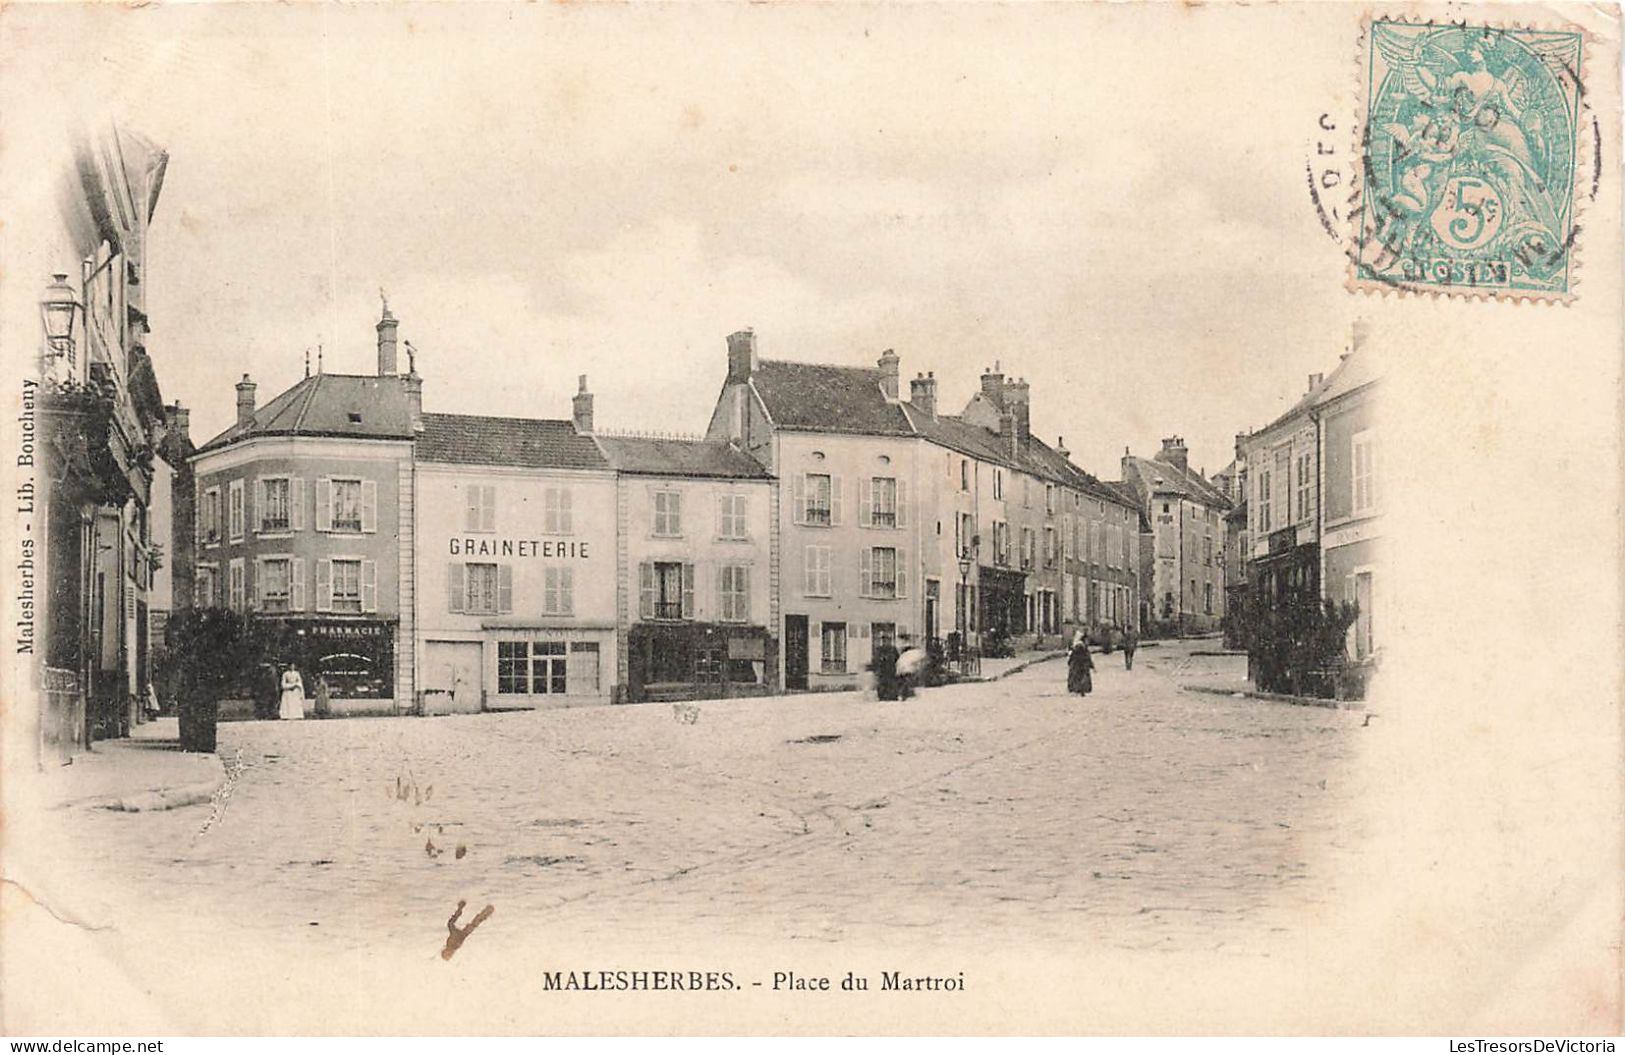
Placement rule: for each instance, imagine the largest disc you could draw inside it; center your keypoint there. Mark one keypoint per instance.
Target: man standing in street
(1130, 641)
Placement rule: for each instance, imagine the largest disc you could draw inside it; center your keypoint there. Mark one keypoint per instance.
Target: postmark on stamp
(1468, 157)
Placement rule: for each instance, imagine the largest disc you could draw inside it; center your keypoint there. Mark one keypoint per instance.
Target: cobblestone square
(1140, 817)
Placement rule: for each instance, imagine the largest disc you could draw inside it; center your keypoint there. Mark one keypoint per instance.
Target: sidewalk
(148, 771)
(1224, 673)
(994, 669)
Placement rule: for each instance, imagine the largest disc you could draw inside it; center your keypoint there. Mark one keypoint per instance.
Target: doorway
(795, 652)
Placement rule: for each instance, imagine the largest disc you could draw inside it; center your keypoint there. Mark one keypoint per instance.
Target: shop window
(532, 668)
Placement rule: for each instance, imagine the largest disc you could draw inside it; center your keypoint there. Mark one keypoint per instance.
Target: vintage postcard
(816, 519)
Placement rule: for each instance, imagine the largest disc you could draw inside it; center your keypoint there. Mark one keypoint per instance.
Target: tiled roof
(1177, 481)
(817, 397)
(532, 443)
(1358, 368)
(1037, 458)
(330, 405)
(661, 457)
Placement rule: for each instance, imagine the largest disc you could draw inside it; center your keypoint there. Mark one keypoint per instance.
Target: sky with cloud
(1109, 201)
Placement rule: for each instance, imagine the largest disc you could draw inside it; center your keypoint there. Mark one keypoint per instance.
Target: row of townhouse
(1312, 500)
(462, 562)
(899, 522)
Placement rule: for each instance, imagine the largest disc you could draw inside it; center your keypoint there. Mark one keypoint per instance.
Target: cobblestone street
(1140, 817)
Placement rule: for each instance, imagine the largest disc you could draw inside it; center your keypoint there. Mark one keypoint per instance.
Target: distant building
(1314, 504)
(1185, 587)
(1351, 526)
(896, 521)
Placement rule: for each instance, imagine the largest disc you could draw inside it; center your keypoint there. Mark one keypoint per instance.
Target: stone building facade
(1185, 590)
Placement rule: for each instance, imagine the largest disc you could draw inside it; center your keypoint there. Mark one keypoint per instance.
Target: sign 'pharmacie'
(557, 549)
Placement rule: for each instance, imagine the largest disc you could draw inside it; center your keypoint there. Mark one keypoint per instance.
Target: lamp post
(59, 308)
(966, 559)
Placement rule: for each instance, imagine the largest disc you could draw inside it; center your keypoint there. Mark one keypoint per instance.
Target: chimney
(993, 384)
(1241, 444)
(741, 355)
(1060, 447)
(414, 399)
(386, 343)
(245, 401)
(888, 374)
(1315, 380)
(1018, 398)
(1173, 453)
(923, 394)
(1007, 429)
(581, 407)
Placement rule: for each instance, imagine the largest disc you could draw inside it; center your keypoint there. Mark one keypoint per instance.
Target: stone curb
(1017, 669)
(1280, 697)
(162, 798)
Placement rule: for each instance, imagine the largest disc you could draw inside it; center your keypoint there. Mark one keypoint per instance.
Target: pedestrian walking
(324, 698)
(1131, 641)
(884, 665)
(293, 696)
(910, 668)
(1079, 664)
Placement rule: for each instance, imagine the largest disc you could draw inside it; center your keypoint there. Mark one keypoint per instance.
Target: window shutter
(324, 506)
(296, 584)
(798, 500)
(723, 572)
(504, 588)
(296, 503)
(254, 499)
(866, 571)
(807, 567)
(688, 591)
(567, 591)
(836, 499)
(566, 519)
(866, 500)
(742, 588)
(255, 601)
(902, 502)
(197, 518)
(369, 505)
(488, 508)
(646, 590)
(722, 516)
(324, 586)
(902, 574)
(471, 513)
(369, 586)
(455, 589)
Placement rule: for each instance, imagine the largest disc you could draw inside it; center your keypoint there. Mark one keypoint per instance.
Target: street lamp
(58, 309)
(966, 559)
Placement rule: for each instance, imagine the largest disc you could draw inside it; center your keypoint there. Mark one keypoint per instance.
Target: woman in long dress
(1078, 665)
(293, 695)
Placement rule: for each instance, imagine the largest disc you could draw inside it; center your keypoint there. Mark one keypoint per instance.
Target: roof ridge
(497, 417)
(310, 396)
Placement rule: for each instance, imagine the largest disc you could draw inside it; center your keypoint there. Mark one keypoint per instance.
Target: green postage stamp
(1468, 157)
